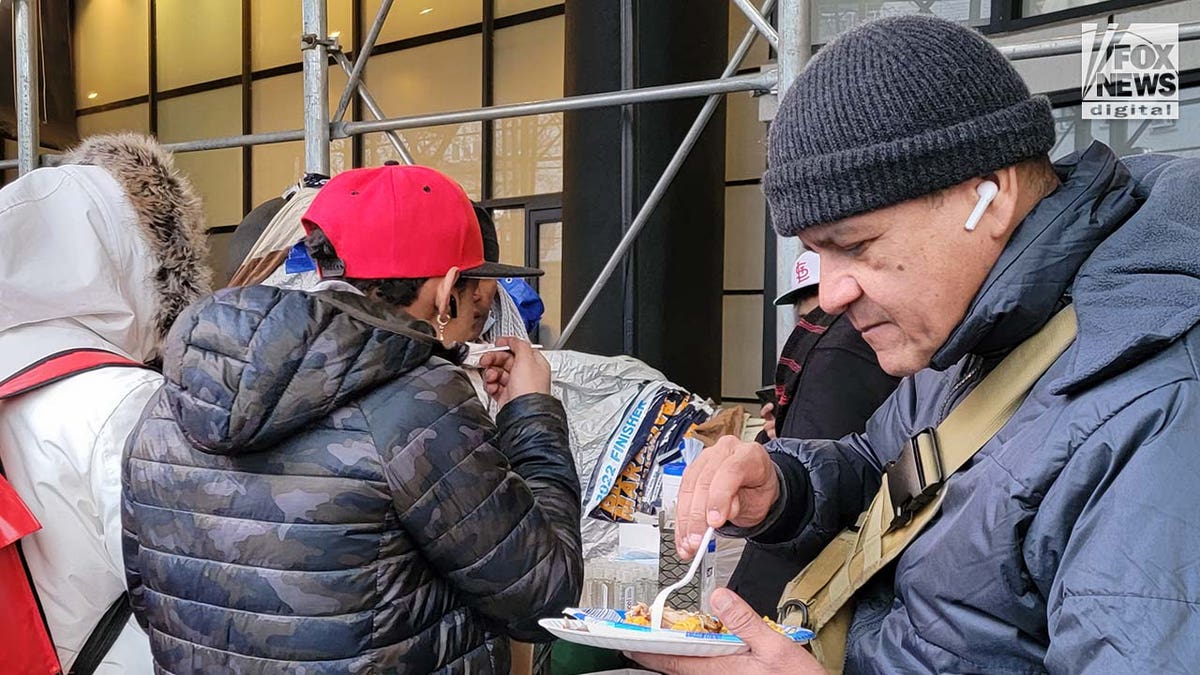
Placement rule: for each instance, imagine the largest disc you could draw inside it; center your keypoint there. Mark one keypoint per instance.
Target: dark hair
(400, 292)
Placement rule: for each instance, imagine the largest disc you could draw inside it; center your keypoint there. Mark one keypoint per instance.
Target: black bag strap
(103, 636)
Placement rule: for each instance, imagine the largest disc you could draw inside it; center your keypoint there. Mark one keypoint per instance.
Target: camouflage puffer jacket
(318, 490)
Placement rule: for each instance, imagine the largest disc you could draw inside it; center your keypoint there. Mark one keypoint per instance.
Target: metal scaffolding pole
(314, 43)
(1073, 45)
(360, 62)
(376, 112)
(25, 41)
(795, 48)
(262, 138)
(628, 171)
(660, 188)
(759, 21)
(750, 82)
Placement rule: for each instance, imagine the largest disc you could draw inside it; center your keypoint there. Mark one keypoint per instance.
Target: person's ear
(445, 292)
(999, 218)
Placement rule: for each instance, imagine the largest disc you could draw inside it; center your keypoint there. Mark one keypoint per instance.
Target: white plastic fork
(660, 602)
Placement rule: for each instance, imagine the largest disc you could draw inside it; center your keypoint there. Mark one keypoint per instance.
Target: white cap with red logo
(805, 273)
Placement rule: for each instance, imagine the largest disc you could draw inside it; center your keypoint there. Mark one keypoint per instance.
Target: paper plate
(605, 628)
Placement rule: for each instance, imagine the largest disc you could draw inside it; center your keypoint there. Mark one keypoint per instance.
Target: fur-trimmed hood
(169, 214)
(103, 251)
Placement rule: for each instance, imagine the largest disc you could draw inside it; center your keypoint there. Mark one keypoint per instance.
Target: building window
(429, 58)
(833, 17)
(1132, 137)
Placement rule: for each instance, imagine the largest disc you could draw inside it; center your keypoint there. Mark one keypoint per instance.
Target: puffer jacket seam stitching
(217, 352)
(330, 405)
(253, 519)
(1183, 601)
(235, 610)
(251, 567)
(251, 657)
(450, 470)
(377, 568)
(480, 505)
(188, 338)
(500, 544)
(257, 473)
(266, 314)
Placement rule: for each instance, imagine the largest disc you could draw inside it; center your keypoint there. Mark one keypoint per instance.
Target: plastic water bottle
(672, 479)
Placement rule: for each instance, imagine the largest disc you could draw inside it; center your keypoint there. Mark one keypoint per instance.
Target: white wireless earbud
(987, 192)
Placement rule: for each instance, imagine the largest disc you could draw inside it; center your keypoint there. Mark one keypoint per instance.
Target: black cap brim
(494, 270)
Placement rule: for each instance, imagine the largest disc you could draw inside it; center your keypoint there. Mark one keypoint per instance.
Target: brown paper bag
(727, 422)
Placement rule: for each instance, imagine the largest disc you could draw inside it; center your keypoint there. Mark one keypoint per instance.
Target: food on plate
(676, 619)
(692, 622)
(575, 624)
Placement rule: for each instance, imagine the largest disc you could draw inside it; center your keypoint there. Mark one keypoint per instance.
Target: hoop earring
(441, 327)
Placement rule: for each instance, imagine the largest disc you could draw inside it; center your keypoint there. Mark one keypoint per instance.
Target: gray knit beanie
(895, 109)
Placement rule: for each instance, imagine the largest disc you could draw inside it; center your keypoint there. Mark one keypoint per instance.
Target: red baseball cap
(402, 222)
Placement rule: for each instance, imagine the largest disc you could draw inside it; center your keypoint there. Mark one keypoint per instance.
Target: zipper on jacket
(972, 372)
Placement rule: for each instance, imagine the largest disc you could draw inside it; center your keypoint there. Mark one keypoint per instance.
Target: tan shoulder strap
(911, 492)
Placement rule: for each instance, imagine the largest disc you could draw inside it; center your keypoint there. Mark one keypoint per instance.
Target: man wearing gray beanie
(1062, 537)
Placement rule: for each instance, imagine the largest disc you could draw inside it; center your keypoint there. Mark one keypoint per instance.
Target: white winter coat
(80, 268)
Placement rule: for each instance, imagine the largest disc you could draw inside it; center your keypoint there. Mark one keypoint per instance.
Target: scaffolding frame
(791, 39)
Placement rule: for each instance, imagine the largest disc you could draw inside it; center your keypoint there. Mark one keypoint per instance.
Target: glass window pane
(550, 285)
(277, 104)
(741, 345)
(453, 149)
(217, 174)
(209, 114)
(508, 7)
(528, 150)
(1036, 7)
(111, 50)
(745, 138)
(410, 18)
(529, 61)
(745, 237)
(832, 17)
(414, 81)
(132, 118)
(198, 41)
(276, 25)
(1132, 137)
(510, 230)
(528, 155)
(431, 78)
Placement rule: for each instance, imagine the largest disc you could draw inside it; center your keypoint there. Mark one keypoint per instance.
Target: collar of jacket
(375, 314)
(1140, 289)
(1034, 274)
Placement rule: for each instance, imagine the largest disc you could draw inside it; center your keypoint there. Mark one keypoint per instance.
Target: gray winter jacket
(1071, 543)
